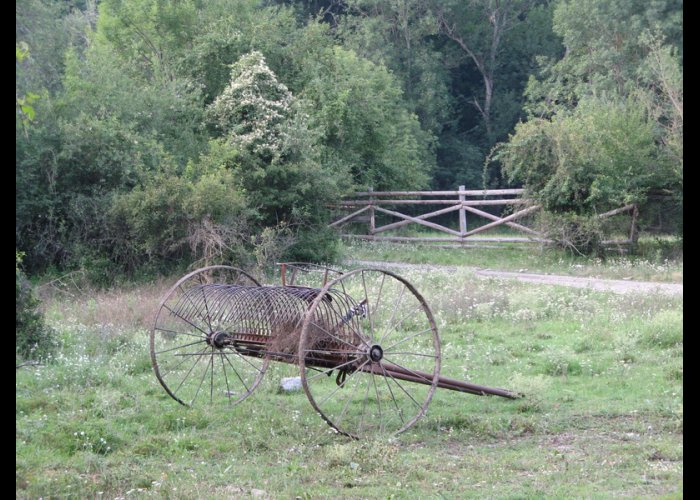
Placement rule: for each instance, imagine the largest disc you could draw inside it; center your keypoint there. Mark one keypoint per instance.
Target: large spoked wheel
(369, 354)
(189, 358)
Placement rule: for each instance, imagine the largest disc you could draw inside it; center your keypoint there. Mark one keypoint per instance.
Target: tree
(599, 157)
(605, 48)
(365, 128)
(481, 38)
(606, 119)
(253, 108)
(276, 156)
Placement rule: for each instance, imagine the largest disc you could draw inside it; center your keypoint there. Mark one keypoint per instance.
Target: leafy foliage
(33, 338)
(274, 109)
(604, 119)
(600, 156)
(365, 128)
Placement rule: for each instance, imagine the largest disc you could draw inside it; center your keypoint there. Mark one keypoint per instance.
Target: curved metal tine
(232, 303)
(229, 301)
(215, 299)
(186, 305)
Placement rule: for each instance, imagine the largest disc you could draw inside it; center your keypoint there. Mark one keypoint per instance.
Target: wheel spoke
(189, 371)
(178, 333)
(333, 336)
(350, 397)
(185, 320)
(402, 388)
(379, 296)
(204, 375)
(180, 346)
(412, 354)
(178, 365)
(236, 372)
(393, 313)
(386, 379)
(395, 325)
(339, 385)
(244, 358)
(206, 306)
(228, 389)
(369, 313)
(364, 404)
(379, 401)
(211, 384)
(386, 349)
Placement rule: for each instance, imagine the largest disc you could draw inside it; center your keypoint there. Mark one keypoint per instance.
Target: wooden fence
(366, 205)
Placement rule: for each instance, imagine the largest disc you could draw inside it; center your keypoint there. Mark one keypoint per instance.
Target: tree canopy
(151, 132)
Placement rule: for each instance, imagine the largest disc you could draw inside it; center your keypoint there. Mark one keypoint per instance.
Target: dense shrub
(33, 338)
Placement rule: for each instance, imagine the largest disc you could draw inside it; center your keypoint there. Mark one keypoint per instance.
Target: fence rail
(368, 204)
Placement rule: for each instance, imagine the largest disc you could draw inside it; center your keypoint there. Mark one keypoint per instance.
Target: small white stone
(290, 384)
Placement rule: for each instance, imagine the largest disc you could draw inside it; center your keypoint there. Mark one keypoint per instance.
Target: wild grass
(655, 262)
(602, 416)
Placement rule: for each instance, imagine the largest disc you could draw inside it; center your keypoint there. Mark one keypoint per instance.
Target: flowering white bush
(253, 108)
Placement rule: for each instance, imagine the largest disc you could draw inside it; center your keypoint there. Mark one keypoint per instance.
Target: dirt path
(615, 286)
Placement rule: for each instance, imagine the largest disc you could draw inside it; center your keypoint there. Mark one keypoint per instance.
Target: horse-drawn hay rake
(365, 342)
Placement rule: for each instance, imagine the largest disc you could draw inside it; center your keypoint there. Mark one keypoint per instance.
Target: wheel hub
(376, 353)
(217, 339)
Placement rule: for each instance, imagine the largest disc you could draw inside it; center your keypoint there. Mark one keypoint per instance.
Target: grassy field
(602, 416)
(658, 260)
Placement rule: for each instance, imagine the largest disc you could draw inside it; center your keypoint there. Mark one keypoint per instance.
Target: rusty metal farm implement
(365, 342)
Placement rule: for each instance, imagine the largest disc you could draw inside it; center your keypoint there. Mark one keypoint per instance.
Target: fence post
(371, 214)
(462, 214)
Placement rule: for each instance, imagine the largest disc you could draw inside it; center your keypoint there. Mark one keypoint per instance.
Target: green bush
(33, 338)
(578, 234)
